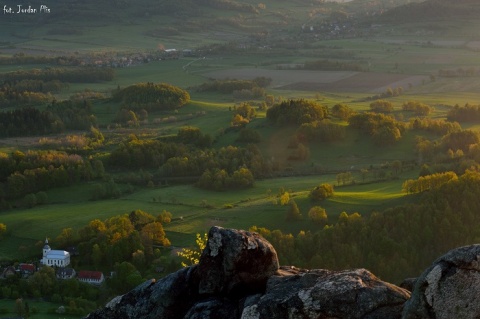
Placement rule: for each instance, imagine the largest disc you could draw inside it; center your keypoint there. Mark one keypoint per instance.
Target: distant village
(122, 60)
(60, 260)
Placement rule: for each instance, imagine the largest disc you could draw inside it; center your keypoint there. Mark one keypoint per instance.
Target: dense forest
(35, 171)
(296, 112)
(71, 75)
(395, 243)
(227, 164)
(150, 96)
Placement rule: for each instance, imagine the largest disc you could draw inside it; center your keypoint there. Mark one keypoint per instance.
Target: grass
(264, 212)
(71, 207)
(194, 210)
(38, 309)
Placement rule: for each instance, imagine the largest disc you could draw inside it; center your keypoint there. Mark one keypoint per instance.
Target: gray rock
(170, 297)
(236, 263)
(214, 309)
(238, 277)
(295, 293)
(450, 288)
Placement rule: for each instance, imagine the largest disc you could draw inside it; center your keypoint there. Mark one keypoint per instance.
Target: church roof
(57, 254)
(87, 274)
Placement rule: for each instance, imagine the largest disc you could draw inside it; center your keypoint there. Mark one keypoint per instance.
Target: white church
(54, 258)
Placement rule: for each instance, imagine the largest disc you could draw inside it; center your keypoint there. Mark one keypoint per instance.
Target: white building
(54, 258)
(91, 277)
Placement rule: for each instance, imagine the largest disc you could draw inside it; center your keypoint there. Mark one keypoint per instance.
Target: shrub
(321, 192)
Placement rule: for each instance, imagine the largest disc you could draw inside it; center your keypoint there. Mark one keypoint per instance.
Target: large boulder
(170, 297)
(450, 288)
(302, 294)
(235, 263)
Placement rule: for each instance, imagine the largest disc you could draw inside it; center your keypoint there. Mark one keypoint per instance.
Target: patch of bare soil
(360, 82)
(282, 77)
(330, 81)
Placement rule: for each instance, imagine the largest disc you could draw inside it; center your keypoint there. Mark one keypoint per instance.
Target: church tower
(46, 248)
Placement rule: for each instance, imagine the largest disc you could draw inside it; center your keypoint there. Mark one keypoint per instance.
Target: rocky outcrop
(234, 265)
(450, 288)
(327, 294)
(238, 277)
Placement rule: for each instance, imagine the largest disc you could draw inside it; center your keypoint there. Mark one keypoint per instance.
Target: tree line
(34, 171)
(174, 159)
(418, 108)
(152, 96)
(22, 58)
(428, 182)
(296, 112)
(383, 129)
(11, 87)
(455, 151)
(70, 75)
(15, 98)
(220, 180)
(466, 113)
(437, 126)
(229, 86)
(229, 159)
(74, 114)
(322, 131)
(395, 244)
(29, 121)
(56, 118)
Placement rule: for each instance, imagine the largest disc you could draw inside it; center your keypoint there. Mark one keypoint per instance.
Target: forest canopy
(297, 112)
(152, 96)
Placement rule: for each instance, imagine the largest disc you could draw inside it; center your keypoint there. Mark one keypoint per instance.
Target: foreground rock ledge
(450, 288)
(238, 277)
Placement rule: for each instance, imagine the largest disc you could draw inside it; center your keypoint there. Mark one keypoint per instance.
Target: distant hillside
(72, 25)
(432, 10)
(69, 17)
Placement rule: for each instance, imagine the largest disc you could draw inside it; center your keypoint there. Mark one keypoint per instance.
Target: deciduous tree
(321, 192)
(318, 215)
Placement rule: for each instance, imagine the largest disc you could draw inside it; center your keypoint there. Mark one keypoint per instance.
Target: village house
(9, 272)
(91, 277)
(65, 273)
(26, 269)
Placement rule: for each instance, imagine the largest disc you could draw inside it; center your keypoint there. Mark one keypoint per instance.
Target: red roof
(87, 274)
(27, 267)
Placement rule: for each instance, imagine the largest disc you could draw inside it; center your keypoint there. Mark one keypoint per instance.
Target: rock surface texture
(238, 276)
(450, 288)
(327, 294)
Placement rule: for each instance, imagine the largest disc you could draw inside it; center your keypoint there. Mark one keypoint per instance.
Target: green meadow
(392, 51)
(38, 309)
(194, 210)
